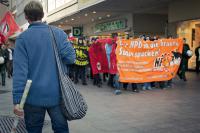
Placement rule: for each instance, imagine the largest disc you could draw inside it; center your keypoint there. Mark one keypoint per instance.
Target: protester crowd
(81, 70)
(91, 70)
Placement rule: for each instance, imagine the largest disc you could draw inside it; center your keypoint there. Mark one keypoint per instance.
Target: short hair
(34, 11)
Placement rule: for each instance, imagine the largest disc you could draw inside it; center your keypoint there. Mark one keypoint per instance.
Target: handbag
(73, 104)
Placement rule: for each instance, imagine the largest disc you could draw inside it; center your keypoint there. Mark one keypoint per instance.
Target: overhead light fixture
(86, 14)
(94, 12)
(60, 26)
(100, 17)
(92, 20)
(72, 19)
(108, 15)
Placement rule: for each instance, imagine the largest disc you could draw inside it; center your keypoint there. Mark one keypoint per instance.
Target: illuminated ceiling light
(100, 17)
(72, 19)
(60, 26)
(92, 20)
(86, 14)
(108, 15)
(94, 12)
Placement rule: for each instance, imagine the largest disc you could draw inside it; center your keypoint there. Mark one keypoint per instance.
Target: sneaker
(136, 90)
(184, 79)
(163, 88)
(149, 88)
(144, 88)
(179, 75)
(125, 88)
(117, 92)
(169, 86)
(99, 85)
(84, 83)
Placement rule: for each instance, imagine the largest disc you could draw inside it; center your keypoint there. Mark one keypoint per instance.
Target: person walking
(184, 61)
(82, 61)
(4, 55)
(197, 53)
(34, 59)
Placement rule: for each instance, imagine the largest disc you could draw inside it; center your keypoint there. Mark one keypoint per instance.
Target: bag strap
(59, 63)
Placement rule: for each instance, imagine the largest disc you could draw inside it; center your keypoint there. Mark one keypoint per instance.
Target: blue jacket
(34, 59)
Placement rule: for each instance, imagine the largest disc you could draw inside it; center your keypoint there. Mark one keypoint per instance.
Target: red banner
(98, 59)
(8, 26)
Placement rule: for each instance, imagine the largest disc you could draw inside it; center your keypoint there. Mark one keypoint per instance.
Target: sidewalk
(175, 110)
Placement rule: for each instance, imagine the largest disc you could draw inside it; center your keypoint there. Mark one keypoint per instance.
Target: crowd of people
(85, 73)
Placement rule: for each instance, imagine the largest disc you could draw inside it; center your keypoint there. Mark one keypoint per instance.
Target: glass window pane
(59, 3)
(51, 5)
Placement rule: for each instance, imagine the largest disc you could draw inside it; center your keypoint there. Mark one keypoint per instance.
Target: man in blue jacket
(34, 59)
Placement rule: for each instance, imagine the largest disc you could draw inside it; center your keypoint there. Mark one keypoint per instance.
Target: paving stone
(174, 110)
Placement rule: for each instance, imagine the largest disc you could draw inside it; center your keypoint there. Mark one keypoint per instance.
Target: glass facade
(53, 4)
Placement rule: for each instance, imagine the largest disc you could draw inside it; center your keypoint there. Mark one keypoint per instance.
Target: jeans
(116, 82)
(146, 86)
(34, 118)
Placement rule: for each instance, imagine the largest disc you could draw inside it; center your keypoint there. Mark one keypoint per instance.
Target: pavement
(173, 110)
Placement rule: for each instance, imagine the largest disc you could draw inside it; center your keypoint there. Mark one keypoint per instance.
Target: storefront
(191, 31)
(114, 25)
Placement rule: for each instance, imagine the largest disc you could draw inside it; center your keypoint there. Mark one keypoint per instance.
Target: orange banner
(141, 61)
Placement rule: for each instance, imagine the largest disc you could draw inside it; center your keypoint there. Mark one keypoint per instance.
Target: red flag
(8, 26)
(98, 59)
